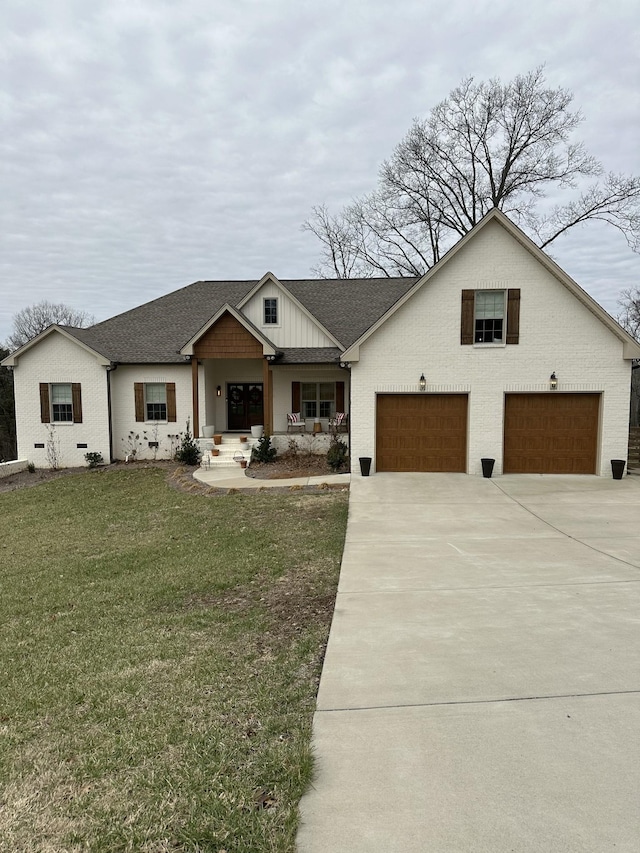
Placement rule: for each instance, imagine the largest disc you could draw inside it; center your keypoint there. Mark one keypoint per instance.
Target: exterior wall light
(423, 382)
(219, 391)
(553, 381)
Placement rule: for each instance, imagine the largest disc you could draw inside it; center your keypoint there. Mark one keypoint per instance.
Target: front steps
(229, 448)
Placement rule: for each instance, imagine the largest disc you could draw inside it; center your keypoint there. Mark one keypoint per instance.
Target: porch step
(229, 448)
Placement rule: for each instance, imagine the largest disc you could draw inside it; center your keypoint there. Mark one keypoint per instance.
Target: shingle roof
(308, 355)
(156, 331)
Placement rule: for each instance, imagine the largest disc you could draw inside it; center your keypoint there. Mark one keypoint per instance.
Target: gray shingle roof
(308, 355)
(156, 331)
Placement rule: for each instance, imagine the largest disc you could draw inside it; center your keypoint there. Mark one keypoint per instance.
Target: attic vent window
(271, 311)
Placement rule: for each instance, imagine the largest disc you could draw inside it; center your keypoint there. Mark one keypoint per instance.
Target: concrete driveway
(481, 688)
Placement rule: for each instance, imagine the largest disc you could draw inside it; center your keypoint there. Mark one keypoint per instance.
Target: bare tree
(487, 145)
(629, 316)
(34, 319)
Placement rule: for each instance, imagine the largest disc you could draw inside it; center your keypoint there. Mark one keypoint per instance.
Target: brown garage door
(421, 432)
(551, 433)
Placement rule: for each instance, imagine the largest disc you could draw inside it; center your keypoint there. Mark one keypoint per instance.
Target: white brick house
(435, 372)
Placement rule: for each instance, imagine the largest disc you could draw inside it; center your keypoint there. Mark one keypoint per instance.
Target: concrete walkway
(481, 688)
(236, 478)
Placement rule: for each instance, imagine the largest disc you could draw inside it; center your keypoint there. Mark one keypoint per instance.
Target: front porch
(232, 395)
(240, 378)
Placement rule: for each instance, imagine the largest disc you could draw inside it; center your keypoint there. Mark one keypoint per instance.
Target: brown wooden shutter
(340, 397)
(45, 409)
(171, 402)
(76, 399)
(295, 397)
(513, 315)
(466, 321)
(138, 393)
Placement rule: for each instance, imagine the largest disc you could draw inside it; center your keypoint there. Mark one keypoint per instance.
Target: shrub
(31, 468)
(188, 452)
(93, 459)
(264, 451)
(337, 454)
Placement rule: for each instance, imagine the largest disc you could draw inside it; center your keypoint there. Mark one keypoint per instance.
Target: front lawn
(159, 659)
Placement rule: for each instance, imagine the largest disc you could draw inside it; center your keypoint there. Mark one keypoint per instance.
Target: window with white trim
(318, 399)
(270, 311)
(61, 403)
(489, 317)
(155, 401)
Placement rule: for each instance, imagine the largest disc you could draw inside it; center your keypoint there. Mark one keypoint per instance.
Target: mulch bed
(286, 466)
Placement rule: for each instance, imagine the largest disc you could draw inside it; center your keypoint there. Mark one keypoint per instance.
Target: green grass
(159, 659)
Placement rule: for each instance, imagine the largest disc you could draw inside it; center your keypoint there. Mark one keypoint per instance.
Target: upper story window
(60, 403)
(490, 316)
(271, 311)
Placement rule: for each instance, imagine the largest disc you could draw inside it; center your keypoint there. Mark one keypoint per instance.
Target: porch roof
(309, 355)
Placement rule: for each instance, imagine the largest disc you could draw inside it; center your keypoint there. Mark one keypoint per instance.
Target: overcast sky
(147, 144)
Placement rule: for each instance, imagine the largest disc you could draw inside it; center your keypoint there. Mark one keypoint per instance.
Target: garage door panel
(551, 433)
(421, 432)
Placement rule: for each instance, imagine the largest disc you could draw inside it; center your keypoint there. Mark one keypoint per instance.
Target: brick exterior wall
(123, 409)
(557, 333)
(57, 359)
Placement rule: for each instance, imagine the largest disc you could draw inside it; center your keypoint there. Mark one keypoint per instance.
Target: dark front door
(244, 406)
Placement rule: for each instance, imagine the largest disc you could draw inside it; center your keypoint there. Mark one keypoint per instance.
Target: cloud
(148, 144)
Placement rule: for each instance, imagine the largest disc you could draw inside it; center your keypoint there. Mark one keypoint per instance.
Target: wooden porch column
(267, 397)
(195, 396)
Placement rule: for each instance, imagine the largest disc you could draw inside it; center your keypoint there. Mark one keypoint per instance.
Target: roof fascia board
(271, 278)
(267, 347)
(630, 348)
(10, 360)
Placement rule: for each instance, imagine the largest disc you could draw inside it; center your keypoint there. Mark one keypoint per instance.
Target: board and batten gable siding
(557, 333)
(227, 338)
(58, 359)
(123, 382)
(294, 327)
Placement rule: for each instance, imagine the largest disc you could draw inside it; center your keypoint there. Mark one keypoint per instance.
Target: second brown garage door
(421, 432)
(551, 433)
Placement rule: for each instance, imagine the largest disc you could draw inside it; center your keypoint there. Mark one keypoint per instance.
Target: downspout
(113, 366)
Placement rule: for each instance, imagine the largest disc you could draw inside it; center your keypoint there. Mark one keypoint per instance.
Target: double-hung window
(60, 403)
(318, 399)
(489, 317)
(271, 311)
(155, 401)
